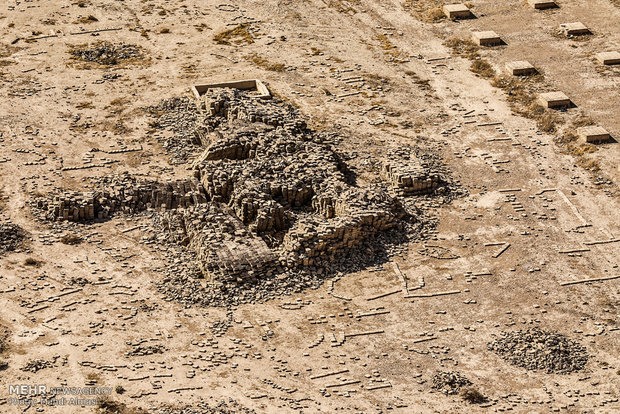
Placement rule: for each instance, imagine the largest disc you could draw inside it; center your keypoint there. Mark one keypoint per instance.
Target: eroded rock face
(267, 195)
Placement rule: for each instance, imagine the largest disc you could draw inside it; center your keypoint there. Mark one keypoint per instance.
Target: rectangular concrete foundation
(252, 84)
(488, 38)
(457, 11)
(554, 100)
(574, 29)
(542, 4)
(609, 58)
(521, 68)
(594, 134)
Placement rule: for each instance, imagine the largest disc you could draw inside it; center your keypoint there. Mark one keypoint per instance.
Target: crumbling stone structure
(267, 195)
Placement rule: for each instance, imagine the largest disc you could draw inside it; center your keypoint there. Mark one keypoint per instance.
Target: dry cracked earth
(402, 227)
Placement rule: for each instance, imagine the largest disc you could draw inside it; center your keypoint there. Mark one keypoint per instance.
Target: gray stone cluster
(106, 53)
(537, 349)
(267, 196)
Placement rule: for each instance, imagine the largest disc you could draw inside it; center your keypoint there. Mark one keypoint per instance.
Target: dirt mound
(537, 349)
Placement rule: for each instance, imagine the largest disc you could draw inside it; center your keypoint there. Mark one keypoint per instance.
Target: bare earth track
(401, 229)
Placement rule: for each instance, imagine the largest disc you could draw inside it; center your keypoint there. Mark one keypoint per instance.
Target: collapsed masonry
(267, 196)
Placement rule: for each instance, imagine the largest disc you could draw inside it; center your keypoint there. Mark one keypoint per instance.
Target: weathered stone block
(574, 29)
(486, 38)
(609, 58)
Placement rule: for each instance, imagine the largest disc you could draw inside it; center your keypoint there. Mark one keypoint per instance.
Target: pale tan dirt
(529, 295)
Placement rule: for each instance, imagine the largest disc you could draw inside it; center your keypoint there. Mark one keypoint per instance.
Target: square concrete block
(520, 68)
(594, 134)
(542, 4)
(609, 58)
(554, 100)
(457, 11)
(574, 29)
(488, 38)
(251, 84)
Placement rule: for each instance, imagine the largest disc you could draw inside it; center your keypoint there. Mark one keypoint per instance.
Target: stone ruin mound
(267, 196)
(537, 349)
(4, 334)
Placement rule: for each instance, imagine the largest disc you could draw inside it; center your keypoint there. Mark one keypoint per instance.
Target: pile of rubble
(11, 237)
(120, 194)
(202, 407)
(182, 117)
(106, 53)
(537, 349)
(36, 365)
(407, 175)
(139, 350)
(449, 383)
(269, 201)
(4, 333)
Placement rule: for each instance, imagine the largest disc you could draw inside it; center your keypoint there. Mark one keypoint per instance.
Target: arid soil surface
(490, 308)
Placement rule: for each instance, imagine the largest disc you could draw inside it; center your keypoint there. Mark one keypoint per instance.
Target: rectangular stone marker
(542, 4)
(520, 68)
(457, 11)
(554, 100)
(609, 58)
(574, 29)
(488, 38)
(594, 133)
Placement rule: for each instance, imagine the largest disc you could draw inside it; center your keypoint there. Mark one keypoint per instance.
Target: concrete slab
(554, 100)
(521, 68)
(594, 134)
(487, 38)
(261, 90)
(542, 4)
(457, 11)
(609, 58)
(574, 29)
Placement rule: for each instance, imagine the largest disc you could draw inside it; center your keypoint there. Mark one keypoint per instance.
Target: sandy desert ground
(489, 309)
